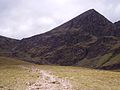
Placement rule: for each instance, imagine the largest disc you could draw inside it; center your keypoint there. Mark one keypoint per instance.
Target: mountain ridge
(88, 40)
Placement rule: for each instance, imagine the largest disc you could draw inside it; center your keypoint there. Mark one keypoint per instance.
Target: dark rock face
(77, 42)
(7, 45)
(117, 30)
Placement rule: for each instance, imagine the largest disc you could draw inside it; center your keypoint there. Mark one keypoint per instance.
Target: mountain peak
(91, 11)
(90, 21)
(90, 18)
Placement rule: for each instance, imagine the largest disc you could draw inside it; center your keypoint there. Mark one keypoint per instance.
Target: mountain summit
(91, 16)
(90, 21)
(88, 40)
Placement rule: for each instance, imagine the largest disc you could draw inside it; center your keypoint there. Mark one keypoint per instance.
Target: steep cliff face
(88, 40)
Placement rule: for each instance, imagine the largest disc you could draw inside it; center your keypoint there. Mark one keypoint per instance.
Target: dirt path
(47, 81)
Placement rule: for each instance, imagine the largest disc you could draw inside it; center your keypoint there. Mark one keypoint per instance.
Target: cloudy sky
(24, 18)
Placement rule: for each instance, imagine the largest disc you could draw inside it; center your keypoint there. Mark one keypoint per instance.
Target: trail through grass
(19, 75)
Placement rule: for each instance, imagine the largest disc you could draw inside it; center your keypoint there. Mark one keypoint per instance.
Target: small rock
(30, 83)
(1, 87)
(55, 82)
(37, 88)
(37, 84)
(10, 89)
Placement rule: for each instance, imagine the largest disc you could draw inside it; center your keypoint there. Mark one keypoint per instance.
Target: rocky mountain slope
(88, 40)
(7, 45)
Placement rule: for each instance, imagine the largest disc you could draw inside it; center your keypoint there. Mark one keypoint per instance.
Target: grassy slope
(101, 61)
(113, 60)
(13, 76)
(87, 79)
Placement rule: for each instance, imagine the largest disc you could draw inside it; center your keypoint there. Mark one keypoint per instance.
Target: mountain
(88, 40)
(117, 25)
(113, 57)
(7, 45)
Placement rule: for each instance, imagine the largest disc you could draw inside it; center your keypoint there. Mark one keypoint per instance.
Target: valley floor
(20, 75)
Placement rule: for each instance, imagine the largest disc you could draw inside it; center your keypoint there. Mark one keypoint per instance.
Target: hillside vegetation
(13, 76)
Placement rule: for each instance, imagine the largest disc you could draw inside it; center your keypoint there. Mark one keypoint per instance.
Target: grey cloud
(24, 18)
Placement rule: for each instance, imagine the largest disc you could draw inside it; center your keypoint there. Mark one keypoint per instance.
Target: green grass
(10, 61)
(103, 59)
(114, 60)
(13, 76)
